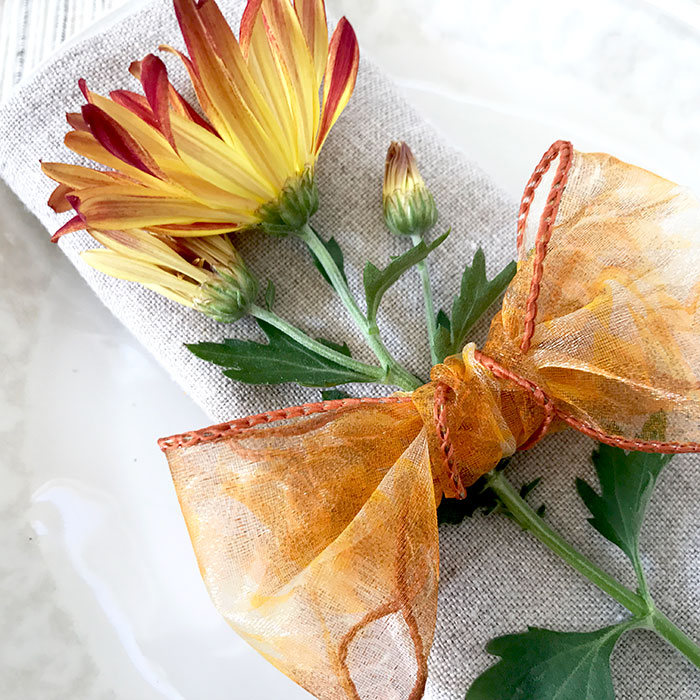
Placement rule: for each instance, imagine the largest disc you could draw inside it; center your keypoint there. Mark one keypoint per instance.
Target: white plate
(502, 82)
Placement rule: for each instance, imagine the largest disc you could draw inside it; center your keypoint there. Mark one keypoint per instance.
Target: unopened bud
(409, 207)
(229, 294)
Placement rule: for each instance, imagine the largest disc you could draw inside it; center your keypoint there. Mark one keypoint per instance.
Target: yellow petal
(115, 265)
(137, 244)
(312, 18)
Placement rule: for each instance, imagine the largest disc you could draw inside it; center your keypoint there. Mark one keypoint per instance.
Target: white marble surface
(500, 78)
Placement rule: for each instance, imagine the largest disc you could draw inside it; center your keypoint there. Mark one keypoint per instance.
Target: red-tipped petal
(115, 139)
(135, 103)
(250, 15)
(82, 84)
(75, 224)
(57, 200)
(154, 78)
(340, 78)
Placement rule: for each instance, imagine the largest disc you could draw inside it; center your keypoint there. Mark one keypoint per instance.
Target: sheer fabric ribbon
(315, 526)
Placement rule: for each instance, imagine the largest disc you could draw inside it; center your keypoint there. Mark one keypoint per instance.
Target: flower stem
(394, 373)
(642, 607)
(530, 521)
(372, 373)
(674, 636)
(428, 302)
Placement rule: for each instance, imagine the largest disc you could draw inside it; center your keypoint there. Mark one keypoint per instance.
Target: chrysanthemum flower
(269, 100)
(205, 273)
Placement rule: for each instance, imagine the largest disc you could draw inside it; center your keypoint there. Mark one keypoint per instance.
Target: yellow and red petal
(76, 121)
(193, 230)
(122, 207)
(156, 87)
(78, 176)
(286, 37)
(135, 103)
(57, 200)
(116, 139)
(340, 78)
(312, 18)
(77, 223)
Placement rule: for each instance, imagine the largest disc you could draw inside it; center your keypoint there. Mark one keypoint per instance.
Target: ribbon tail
(317, 539)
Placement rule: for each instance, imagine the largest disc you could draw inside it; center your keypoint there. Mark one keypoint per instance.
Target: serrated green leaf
(333, 395)
(480, 498)
(336, 253)
(279, 361)
(269, 295)
(476, 294)
(544, 665)
(342, 349)
(377, 281)
(627, 481)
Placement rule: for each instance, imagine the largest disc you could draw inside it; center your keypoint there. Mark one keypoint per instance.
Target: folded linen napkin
(494, 579)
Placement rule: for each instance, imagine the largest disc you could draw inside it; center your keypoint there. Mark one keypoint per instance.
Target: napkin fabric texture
(495, 579)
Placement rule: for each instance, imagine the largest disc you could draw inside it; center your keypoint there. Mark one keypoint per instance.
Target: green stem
(641, 606)
(679, 639)
(371, 372)
(428, 302)
(394, 373)
(530, 521)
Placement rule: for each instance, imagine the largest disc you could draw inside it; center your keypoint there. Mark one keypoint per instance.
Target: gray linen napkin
(494, 578)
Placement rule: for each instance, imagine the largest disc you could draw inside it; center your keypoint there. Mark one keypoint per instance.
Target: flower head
(409, 207)
(204, 273)
(176, 173)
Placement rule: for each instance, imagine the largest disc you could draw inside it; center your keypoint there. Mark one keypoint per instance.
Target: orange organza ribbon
(315, 526)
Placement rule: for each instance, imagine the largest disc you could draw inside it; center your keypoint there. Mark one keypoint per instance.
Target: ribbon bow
(315, 526)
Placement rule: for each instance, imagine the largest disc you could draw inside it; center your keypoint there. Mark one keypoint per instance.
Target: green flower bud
(230, 292)
(409, 207)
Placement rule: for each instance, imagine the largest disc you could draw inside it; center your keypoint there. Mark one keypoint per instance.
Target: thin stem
(641, 578)
(679, 639)
(371, 372)
(529, 520)
(428, 302)
(393, 372)
(642, 607)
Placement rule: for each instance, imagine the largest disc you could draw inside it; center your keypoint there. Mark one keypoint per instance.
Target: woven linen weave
(494, 578)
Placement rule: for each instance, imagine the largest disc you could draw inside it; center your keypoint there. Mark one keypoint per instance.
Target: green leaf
(544, 665)
(377, 281)
(476, 294)
(443, 337)
(336, 253)
(342, 349)
(479, 498)
(269, 295)
(627, 480)
(333, 395)
(279, 361)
